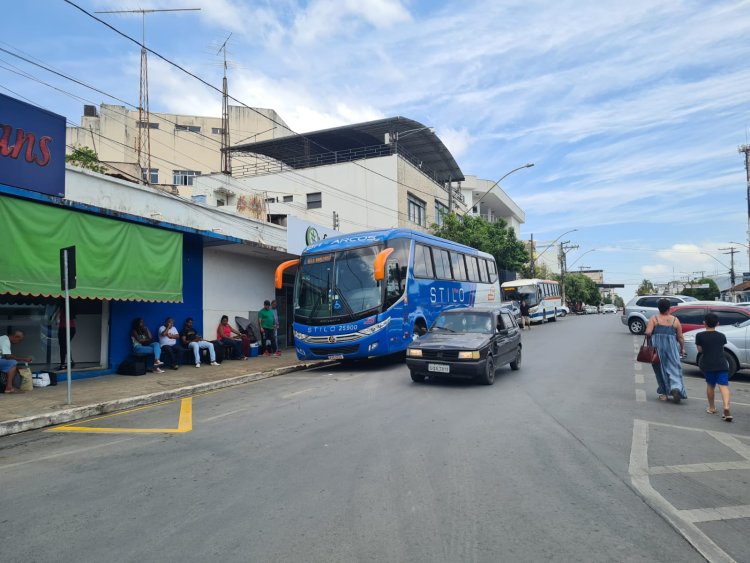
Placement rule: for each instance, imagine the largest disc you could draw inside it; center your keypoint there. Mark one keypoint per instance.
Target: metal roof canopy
(407, 136)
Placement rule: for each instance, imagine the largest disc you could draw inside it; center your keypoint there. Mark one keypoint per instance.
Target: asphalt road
(360, 464)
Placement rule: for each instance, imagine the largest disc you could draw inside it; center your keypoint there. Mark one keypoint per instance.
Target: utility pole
(563, 265)
(143, 140)
(226, 158)
(336, 222)
(745, 149)
(532, 251)
(732, 251)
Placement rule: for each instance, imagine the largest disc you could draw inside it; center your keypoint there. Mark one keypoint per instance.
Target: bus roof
(367, 238)
(529, 281)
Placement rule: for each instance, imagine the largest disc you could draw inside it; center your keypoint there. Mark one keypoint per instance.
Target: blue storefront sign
(32, 148)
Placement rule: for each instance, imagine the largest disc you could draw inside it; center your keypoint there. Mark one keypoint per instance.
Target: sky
(632, 112)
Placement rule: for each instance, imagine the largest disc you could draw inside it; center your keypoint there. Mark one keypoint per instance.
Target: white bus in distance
(542, 296)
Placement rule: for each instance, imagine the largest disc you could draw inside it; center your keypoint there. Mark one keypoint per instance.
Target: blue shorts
(5, 365)
(714, 377)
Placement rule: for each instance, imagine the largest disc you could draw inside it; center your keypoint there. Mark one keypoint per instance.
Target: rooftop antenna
(143, 140)
(226, 157)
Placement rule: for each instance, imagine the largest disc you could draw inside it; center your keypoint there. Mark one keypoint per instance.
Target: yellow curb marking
(185, 423)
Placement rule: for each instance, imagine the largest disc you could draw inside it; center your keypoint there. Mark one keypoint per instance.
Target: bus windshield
(527, 292)
(338, 285)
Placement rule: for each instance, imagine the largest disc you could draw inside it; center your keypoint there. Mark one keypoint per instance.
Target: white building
(388, 173)
(495, 203)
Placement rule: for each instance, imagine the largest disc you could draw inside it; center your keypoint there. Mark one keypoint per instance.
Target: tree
(619, 301)
(646, 288)
(494, 238)
(581, 289)
(708, 294)
(85, 158)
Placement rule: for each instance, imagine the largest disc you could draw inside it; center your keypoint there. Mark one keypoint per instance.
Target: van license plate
(439, 368)
(336, 357)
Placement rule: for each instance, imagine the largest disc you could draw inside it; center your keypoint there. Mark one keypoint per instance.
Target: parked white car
(609, 308)
(736, 349)
(590, 309)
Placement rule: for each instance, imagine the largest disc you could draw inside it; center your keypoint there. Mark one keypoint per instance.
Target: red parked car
(691, 313)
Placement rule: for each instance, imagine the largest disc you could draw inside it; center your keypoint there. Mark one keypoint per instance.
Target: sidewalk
(47, 406)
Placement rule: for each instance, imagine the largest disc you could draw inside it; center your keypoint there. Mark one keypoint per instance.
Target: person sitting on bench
(143, 343)
(8, 360)
(240, 344)
(194, 341)
(169, 339)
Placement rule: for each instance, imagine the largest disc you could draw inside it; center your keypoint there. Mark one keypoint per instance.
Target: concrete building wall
(234, 284)
(113, 133)
(411, 181)
(364, 195)
(155, 205)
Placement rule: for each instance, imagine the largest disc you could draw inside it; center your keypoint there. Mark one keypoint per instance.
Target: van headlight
(688, 337)
(300, 336)
(414, 352)
(473, 355)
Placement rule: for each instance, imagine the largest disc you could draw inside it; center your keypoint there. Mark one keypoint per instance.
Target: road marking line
(731, 442)
(288, 395)
(698, 467)
(713, 514)
(62, 454)
(222, 415)
(639, 378)
(640, 395)
(637, 366)
(638, 470)
(185, 424)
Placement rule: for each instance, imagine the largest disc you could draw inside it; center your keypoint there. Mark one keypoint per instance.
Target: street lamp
(581, 256)
(527, 165)
(550, 245)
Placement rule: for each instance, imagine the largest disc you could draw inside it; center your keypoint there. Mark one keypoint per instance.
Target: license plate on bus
(439, 368)
(336, 357)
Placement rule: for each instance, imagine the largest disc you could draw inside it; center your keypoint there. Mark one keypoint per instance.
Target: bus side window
(442, 263)
(483, 270)
(471, 268)
(493, 270)
(422, 262)
(459, 268)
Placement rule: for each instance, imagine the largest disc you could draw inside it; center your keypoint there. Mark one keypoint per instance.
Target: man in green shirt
(267, 324)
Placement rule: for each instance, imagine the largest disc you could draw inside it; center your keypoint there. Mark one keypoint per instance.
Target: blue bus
(371, 293)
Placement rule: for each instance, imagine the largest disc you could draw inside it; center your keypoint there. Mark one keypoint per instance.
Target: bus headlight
(414, 352)
(300, 336)
(473, 355)
(374, 328)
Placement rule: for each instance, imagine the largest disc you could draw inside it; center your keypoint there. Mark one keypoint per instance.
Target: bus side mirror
(379, 270)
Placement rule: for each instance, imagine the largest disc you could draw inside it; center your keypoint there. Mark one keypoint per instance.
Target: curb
(35, 422)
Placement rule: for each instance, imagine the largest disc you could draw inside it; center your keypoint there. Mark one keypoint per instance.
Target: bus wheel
(417, 377)
(554, 318)
(419, 329)
(488, 377)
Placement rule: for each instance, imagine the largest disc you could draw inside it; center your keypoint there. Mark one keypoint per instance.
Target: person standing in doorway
(713, 364)
(266, 325)
(525, 319)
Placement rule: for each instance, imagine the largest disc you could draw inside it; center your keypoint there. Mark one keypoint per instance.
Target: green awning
(114, 259)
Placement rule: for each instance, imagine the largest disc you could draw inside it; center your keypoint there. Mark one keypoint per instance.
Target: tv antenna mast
(226, 158)
(143, 139)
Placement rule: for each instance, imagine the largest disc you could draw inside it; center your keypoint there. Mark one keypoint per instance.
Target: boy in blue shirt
(713, 364)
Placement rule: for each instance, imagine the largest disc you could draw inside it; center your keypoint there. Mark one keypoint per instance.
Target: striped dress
(669, 369)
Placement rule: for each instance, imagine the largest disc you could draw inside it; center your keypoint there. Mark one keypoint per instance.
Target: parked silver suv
(641, 308)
